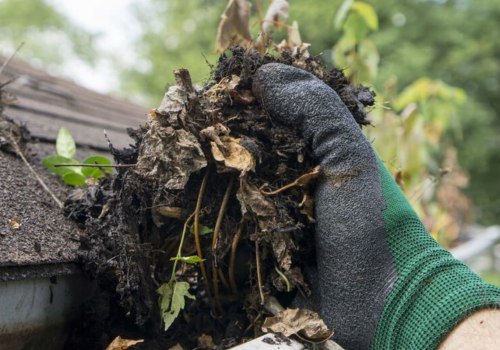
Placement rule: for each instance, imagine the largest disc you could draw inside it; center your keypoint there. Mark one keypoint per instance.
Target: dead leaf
(305, 323)
(205, 342)
(176, 347)
(214, 132)
(232, 155)
(330, 345)
(169, 156)
(244, 97)
(14, 223)
(253, 202)
(169, 153)
(122, 344)
(233, 27)
(283, 248)
(178, 102)
(233, 83)
(277, 9)
(294, 37)
(169, 212)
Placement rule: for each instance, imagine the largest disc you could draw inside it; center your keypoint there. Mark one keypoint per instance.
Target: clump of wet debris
(217, 201)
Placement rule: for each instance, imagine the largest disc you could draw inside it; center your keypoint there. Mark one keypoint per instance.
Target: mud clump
(213, 174)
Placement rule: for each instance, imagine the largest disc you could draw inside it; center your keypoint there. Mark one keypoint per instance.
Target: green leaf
(355, 28)
(65, 144)
(367, 12)
(172, 300)
(193, 259)
(93, 171)
(74, 179)
(342, 13)
(50, 161)
(203, 230)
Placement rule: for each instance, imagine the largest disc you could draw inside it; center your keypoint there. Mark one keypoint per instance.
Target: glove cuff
(433, 291)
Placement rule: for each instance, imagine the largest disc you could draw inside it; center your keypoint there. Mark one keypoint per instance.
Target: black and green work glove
(384, 283)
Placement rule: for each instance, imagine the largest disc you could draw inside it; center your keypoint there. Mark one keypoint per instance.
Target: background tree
(452, 40)
(50, 38)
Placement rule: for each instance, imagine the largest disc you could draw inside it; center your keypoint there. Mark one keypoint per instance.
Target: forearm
(481, 330)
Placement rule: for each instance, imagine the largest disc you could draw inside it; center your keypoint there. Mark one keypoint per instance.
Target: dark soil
(133, 221)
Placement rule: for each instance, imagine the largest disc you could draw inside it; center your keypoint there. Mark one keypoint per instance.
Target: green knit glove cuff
(433, 291)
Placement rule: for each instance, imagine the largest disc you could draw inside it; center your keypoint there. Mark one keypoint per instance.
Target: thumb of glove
(354, 264)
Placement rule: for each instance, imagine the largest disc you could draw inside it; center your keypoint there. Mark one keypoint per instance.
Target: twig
(38, 178)
(215, 237)
(11, 57)
(222, 210)
(252, 324)
(300, 181)
(259, 276)
(96, 165)
(215, 286)
(232, 260)
(281, 189)
(196, 229)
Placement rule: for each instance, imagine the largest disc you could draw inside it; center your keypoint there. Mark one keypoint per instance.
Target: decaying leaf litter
(213, 218)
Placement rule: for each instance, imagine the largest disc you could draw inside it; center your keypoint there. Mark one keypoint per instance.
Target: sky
(114, 22)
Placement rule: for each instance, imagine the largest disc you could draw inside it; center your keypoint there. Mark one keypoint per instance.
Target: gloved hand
(384, 283)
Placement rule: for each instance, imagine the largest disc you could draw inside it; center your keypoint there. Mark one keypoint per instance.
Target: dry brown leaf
(205, 342)
(294, 37)
(214, 132)
(233, 155)
(244, 97)
(233, 83)
(298, 49)
(122, 344)
(176, 347)
(178, 101)
(169, 212)
(305, 323)
(233, 27)
(253, 202)
(168, 152)
(163, 154)
(14, 223)
(277, 9)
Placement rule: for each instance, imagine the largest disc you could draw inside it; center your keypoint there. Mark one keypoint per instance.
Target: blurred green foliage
(174, 34)
(455, 41)
(49, 37)
(409, 125)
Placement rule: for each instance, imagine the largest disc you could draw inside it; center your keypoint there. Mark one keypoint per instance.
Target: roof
(46, 103)
(33, 230)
